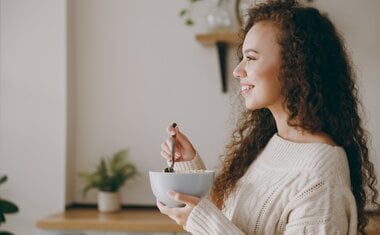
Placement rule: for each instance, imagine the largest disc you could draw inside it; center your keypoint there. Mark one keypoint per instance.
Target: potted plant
(6, 207)
(110, 174)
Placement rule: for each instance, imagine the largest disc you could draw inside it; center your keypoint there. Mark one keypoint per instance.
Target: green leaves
(183, 12)
(186, 13)
(110, 174)
(194, 1)
(2, 218)
(5, 233)
(3, 179)
(189, 22)
(6, 207)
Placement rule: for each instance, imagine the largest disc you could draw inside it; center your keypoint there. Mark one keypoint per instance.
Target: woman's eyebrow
(251, 50)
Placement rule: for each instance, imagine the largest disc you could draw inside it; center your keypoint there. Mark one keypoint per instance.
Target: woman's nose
(239, 71)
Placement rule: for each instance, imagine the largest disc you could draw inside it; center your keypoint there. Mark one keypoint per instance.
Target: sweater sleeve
(206, 218)
(323, 208)
(195, 164)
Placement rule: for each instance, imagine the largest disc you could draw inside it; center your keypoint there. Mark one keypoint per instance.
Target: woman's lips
(245, 89)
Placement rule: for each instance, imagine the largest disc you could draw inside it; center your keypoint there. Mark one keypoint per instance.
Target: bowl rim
(184, 172)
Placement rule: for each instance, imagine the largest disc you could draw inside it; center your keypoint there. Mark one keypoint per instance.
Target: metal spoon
(171, 168)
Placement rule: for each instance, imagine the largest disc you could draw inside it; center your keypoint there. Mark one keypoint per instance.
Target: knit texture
(196, 163)
(291, 188)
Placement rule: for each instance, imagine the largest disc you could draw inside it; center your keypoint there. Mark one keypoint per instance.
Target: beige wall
(32, 108)
(137, 69)
(133, 67)
(138, 65)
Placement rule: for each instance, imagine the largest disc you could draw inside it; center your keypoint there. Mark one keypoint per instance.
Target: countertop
(139, 220)
(131, 219)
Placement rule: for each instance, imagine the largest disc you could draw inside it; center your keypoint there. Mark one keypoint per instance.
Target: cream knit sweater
(291, 188)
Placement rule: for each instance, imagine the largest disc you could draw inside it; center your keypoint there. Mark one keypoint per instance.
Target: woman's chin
(252, 105)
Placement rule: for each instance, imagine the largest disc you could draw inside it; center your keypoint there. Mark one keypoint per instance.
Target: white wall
(138, 68)
(32, 108)
(133, 68)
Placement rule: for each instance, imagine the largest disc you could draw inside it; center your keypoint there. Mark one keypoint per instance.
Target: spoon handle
(173, 145)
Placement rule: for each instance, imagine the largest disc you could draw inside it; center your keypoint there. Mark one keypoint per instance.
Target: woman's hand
(179, 214)
(184, 150)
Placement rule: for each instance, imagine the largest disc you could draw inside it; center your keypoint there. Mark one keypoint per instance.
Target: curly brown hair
(318, 84)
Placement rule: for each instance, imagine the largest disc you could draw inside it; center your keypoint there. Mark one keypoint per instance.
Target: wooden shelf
(137, 220)
(211, 39)
(222, 41)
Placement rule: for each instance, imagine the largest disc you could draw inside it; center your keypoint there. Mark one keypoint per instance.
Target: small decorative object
(219, 19)
(109, 176)
(241, 10)
(6, 207)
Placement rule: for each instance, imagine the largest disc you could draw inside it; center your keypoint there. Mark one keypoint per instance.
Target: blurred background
(82, 79)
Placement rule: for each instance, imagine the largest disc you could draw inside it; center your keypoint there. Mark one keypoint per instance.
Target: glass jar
(219, 19)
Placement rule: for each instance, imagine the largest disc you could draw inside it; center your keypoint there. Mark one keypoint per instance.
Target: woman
(298, 159)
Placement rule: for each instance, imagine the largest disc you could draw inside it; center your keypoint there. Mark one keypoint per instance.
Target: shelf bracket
(222, 53)
(222, 41)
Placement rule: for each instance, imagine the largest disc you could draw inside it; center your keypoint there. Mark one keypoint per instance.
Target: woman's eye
(249, 58)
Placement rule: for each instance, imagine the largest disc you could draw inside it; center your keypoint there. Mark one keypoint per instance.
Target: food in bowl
(197, 183)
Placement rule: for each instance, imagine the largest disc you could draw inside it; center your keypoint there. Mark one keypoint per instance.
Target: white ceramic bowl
(192, 183)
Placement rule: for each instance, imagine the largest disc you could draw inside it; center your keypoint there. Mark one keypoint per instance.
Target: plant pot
(108, 201)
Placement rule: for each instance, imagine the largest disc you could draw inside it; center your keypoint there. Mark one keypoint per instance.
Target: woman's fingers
(184, 149)
(171, 130)
(186, 199)
(163, 209)
(174, 213)
(180, 214)
(166, 155)
(165, 147)
(168, 148)
(179, 135)
(165, 152)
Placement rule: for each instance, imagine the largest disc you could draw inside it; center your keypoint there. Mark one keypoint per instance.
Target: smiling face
(259, 69)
